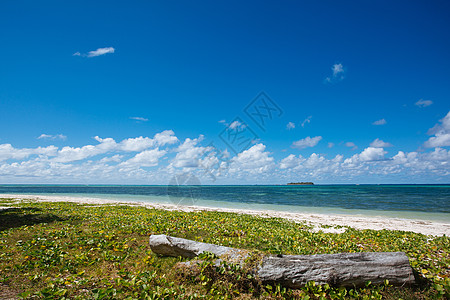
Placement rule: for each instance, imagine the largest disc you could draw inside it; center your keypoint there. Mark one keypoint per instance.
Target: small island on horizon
(300, 183)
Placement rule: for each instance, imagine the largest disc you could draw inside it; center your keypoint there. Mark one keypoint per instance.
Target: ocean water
(426, 202)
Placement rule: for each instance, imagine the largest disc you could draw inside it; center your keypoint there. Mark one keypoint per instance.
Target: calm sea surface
(431, 202)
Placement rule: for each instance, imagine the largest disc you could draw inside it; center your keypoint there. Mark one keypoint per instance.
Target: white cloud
(69, 154)
(290, 126)
(189, 154)
(147, 158)
(115, 158)
(338, 73)
(337, 69)
(291, 161)
(101, 51)
(52, 137)
(139, 119)
(330, 145)
(144, 160)
(377, 143)
(441, 134)
(372, 154)
(431, 163)
(423, 103)
(7, 151)
(442, 140)
(98, 52)
(136, 144)
(254, 160)
(443, 127)
(306, 121)
(439, 154)
(358, 162)
(370, 163)
(314, 161)
(351, 145)
(253, 165)
(314, 167)
(306, 142)
(235, 125)
(44, 136)
(167, 137)
(379, 122)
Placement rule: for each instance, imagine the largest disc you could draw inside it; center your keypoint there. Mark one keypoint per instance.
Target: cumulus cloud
(189, 153)
(377, 143)
(254, 160)
(74, 164)
(167, 137)
(313, 167)
(330, 145)
(291, 161)
(52, 137)
(255, 164)
(372, 154)
(147, 158)
(379, 122)
(337, 75)
(98, 52)
(7, 151)
(423, 103)
(370, 162)
(69, 154)
(136, 144)
(441, 132)
(290, 126)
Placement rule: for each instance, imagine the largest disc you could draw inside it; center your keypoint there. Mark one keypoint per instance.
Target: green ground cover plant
(64, 250)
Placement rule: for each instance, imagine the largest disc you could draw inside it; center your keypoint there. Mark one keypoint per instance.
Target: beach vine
(64, 250)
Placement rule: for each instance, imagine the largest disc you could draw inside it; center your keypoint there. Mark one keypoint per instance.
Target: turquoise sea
(426, 202)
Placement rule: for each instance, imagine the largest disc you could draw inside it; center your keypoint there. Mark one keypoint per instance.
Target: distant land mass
(300, 183)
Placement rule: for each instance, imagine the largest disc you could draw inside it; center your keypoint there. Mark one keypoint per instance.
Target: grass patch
(67, 250)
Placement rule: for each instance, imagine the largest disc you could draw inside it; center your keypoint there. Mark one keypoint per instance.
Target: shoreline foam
(358, 222)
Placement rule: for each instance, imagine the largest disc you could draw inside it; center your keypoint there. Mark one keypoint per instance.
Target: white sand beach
(355, 221)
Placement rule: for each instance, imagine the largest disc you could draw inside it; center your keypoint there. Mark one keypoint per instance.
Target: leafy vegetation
(75, 251)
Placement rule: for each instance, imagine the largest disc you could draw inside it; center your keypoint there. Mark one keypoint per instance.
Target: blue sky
(71, 72)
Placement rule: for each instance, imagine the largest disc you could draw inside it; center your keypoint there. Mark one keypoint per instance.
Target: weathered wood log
(343, 269)
(294, 271)
(173, 246)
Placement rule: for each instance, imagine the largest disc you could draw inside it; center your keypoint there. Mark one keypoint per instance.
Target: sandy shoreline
(358, 222)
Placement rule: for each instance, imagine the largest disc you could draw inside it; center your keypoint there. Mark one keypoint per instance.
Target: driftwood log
(294, 271)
